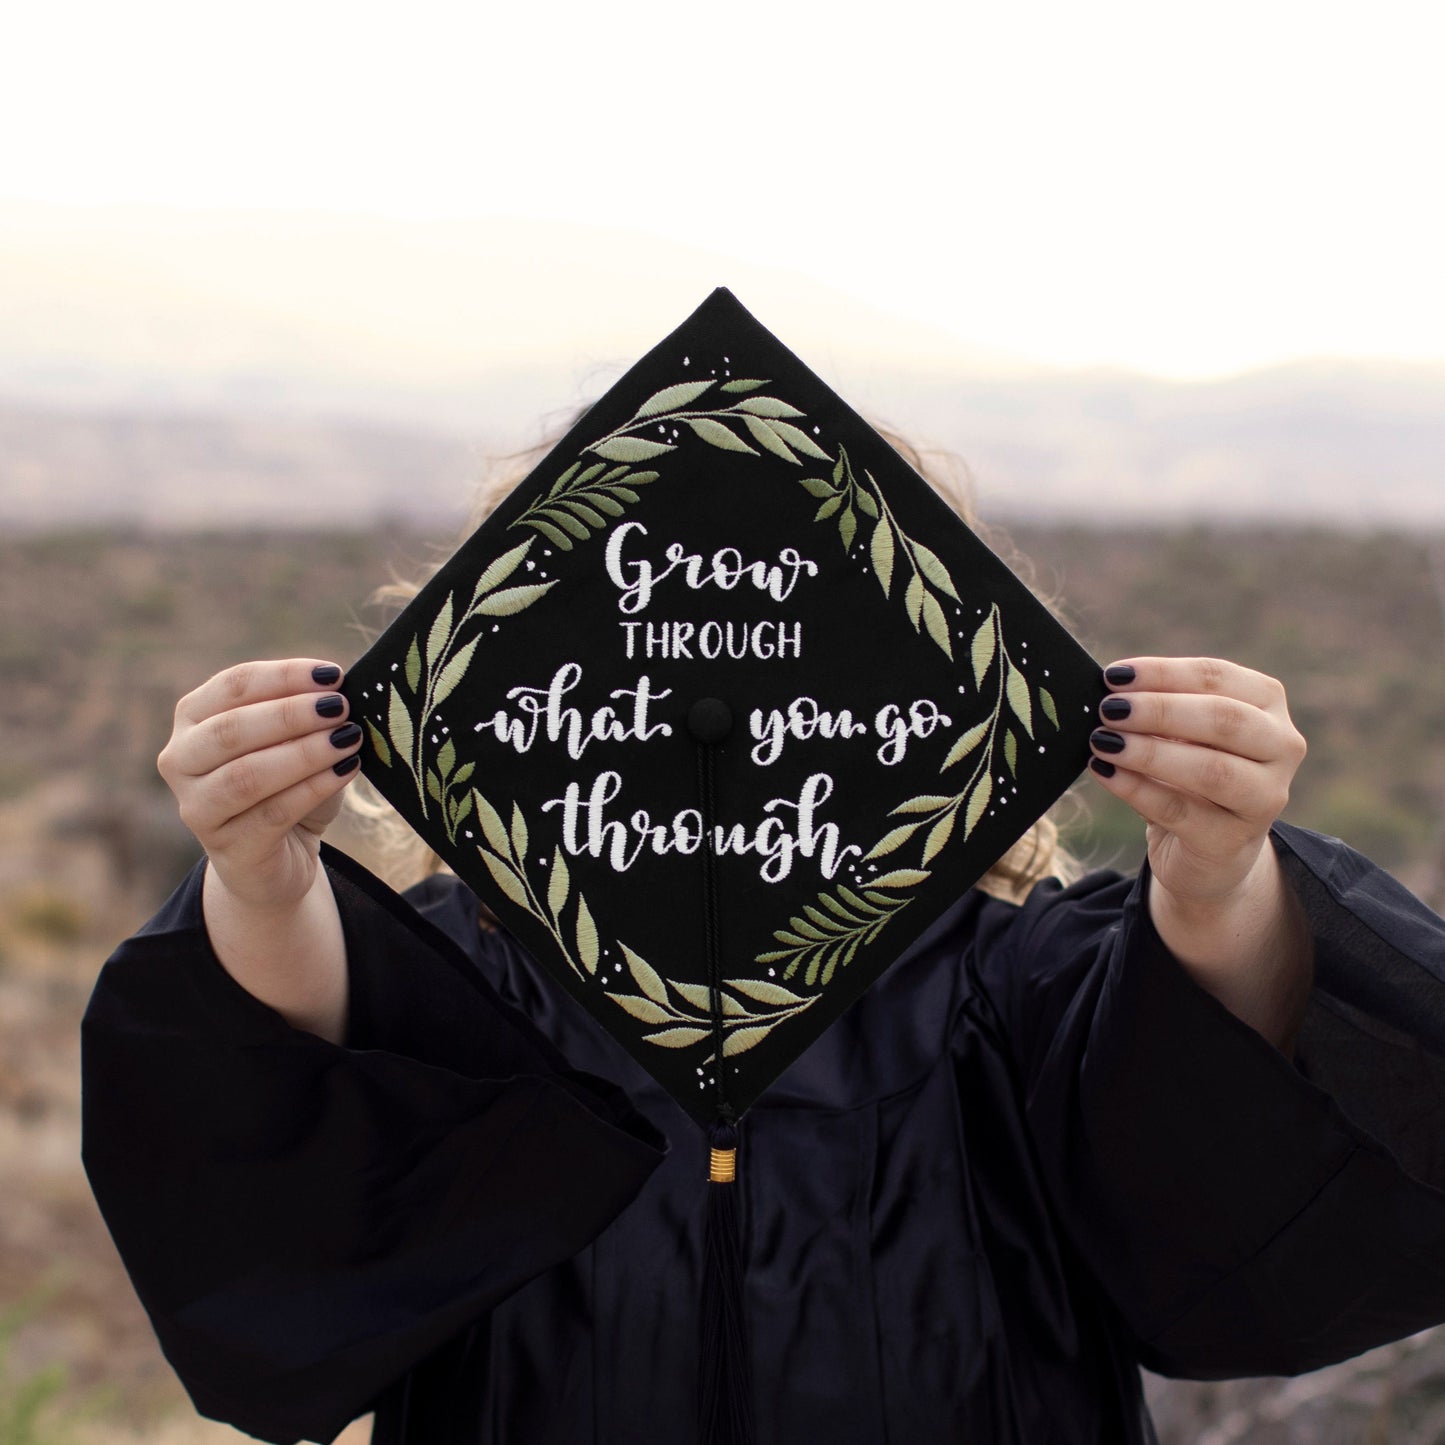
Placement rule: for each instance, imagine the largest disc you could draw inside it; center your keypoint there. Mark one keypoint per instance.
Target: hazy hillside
(285, 369)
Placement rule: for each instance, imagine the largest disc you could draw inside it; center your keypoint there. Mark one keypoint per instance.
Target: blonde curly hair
(1037, 855)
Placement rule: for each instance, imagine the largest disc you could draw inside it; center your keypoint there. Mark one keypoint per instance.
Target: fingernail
(1101, 738)
(1120, 675)
(344, 736)
(1113, 709)
(347, 765)
(325, 675)
(333, 705)
(1104, 770)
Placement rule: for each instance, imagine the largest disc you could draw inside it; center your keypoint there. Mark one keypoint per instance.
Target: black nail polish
(1101, 738)
(325, 675)
(1115, 709)
(1104, 770)
(346, 765)
(1120, 675)
(350, 732)
(332, 705)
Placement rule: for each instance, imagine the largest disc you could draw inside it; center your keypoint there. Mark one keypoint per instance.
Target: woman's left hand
(1204, 751)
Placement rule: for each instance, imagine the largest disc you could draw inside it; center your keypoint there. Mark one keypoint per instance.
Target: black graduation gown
(1032, 1155)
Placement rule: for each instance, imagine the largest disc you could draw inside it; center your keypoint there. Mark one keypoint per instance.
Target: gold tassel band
(723, 1168)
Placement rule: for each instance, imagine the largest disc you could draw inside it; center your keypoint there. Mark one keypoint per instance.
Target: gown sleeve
(1244, 1212)
(305, 1222)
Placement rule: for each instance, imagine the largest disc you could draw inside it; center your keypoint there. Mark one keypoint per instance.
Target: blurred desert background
(275, 297)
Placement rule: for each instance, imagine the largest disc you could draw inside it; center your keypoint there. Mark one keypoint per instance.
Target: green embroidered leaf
(833, 956)
(893, 840)
(817, 486)
(505, 879)
(568, 522)
(588, 474)
(556, 538)
(982, 794)
(828, 925)
(764, 434)
(447, 758)
(964, 745)
(584, 513)
(848, 527)
(641, 479)
(613, 474)
(433, 787)
(464, 809)
(800, 925)
(456, 670)
(645, 975)
(606, 502)
(676, 1038)
(497, 572)
(1011, 752)
(940, 834)
(933, 569)
(799, 440)
(854, 901)
(379, 744)
(696, 994)
(833, 906)
(742, 384)
(587, 949)
(766, 406)
(626, 494)
(763, 991)
(643, 1008)
(413, 665)
(519, 833)
(398, 724)
(810, 977)
(923, 803)
(630, 449)
(511, 600)
(668, 399)
(984, 643)
(1018, 699)
(866, 504)
(901, 878)
(772, 957)
(1046, 701)
(740, 1040)
(840, 467)
(559, 884)
(492, 829)
(440, 631)
(564, 479)
(880, 552)
(463, 773)
(937, 623)
(783, 936)
(828, 508)
(913, 600)
(885, 902)
(716, 434)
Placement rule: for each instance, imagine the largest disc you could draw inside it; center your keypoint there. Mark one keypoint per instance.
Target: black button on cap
(709, 719)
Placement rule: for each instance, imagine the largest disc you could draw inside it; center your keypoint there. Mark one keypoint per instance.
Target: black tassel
(725, 1395)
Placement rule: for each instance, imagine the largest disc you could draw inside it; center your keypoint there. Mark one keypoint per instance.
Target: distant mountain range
(188, 369)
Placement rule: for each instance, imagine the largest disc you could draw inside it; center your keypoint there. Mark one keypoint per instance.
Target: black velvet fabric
(1032, 1155)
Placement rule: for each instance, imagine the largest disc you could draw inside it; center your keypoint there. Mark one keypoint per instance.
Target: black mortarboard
(722, 609)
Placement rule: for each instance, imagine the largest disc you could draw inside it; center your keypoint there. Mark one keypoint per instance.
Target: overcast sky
(1186, 189)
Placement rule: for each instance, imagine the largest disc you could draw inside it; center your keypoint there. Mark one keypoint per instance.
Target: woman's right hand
(258, 760)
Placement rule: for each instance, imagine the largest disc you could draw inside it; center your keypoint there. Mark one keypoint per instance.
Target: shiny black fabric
(1032, 1155)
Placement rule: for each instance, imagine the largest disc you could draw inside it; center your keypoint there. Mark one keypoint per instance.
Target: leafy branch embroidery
(431, 673)
(983, 741)
(847, 498)
(588, 498)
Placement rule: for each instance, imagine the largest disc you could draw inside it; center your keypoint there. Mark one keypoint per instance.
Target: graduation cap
(717, 712)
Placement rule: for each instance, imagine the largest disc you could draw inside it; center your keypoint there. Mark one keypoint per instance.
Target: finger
(1251, 791)
(250, 682)
(1218, 722)
(1208, 829)
(231, 734)
(1209, 675)
(245, 782)
(257, 830)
